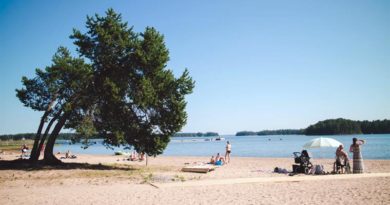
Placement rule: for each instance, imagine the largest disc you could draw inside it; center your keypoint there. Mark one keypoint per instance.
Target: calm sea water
(376, 147)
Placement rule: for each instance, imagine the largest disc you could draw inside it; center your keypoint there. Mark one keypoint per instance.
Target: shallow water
(376, 147)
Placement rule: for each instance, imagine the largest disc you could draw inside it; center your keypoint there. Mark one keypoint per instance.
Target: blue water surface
(376, 147)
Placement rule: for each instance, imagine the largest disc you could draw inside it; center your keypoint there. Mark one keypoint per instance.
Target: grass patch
(19, 143)
(179, 178)
(147, 178)
(14, 145)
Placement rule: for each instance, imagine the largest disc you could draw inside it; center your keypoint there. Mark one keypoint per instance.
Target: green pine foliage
(125, 93)
(138, 100)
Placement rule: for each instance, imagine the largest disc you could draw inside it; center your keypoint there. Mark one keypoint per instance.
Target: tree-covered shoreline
(345, 126)
(272, 132)
(30, 136)
(75, 137)
(338, 126)
(196, 134)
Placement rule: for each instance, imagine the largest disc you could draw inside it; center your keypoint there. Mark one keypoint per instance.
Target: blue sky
(257, 64)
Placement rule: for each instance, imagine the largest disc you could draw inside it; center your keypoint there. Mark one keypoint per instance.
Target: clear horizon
(257, 65)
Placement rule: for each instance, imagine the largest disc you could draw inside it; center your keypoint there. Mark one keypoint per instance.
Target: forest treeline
(345, 126)
(331, 127)
(273, 132)
(30, 136)
(327, 127)
(74, 137)
(196, 134)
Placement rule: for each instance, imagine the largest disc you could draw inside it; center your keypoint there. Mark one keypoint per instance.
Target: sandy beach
(113, 180)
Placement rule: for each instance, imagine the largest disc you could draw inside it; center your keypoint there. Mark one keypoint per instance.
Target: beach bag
(319, 169)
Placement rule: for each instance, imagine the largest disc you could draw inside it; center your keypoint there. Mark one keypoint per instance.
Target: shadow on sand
(26, 165)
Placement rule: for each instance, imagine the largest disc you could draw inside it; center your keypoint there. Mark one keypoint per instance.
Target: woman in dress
(358, 166)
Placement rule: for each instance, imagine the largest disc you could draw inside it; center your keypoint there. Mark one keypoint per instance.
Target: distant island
(272, 132)
(345, 126)
(196, 134)
(338, 126)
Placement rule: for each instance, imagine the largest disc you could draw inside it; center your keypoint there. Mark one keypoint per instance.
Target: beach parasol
(322, 142)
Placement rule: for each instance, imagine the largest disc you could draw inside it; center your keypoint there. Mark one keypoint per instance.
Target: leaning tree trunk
(33, 155)
(43, 138)
(49, 157)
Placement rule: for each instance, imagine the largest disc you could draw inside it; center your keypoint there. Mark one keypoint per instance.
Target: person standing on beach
(228, 151)
(358, 166)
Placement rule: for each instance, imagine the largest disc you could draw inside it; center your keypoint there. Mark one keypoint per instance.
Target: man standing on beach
(228, 151)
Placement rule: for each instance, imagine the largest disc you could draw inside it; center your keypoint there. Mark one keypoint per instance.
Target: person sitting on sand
(217, 157)
(212, 160)
(142, 156)
(24, 149)
(220, 161)
(341, 158)
(69, 155)
(133, 156)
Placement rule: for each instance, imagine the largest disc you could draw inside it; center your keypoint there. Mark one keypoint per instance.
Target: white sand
(243, 181)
